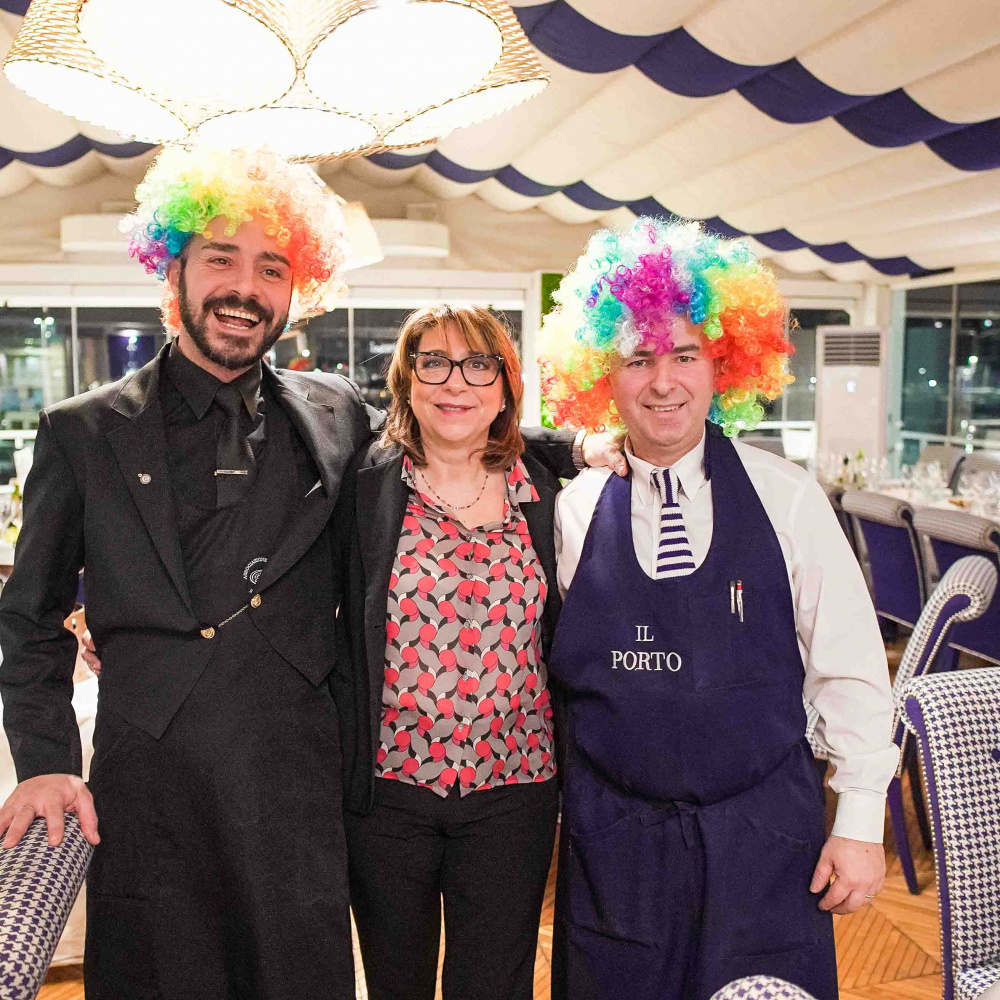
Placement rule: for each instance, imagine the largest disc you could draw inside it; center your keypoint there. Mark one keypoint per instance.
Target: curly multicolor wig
(628, 288)
(186, 189)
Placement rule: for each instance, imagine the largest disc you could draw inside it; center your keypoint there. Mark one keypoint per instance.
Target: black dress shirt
(192, 425)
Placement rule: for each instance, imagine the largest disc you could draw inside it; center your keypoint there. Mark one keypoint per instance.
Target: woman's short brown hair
(483, 332)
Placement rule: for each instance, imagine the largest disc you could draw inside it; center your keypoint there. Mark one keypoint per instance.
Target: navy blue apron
(693, 815)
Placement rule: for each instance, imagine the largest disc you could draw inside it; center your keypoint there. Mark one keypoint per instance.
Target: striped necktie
(674, 556)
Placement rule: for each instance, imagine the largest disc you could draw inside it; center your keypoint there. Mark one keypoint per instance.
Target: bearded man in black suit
(197, 493)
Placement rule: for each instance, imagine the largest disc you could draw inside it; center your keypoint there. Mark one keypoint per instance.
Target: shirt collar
(689, 469)
(199, 387)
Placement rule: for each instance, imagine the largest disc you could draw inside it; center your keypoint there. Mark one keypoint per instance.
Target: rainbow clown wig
(627, 290)
(186, 189)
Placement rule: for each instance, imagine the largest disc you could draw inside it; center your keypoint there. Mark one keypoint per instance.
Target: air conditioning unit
(851, 390)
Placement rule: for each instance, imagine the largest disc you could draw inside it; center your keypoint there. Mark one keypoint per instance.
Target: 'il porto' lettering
(630, 659)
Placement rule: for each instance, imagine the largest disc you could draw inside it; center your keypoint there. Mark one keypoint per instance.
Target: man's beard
(233, 352)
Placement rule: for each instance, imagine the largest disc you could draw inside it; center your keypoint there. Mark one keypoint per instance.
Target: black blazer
(98, 496)
(369, 520)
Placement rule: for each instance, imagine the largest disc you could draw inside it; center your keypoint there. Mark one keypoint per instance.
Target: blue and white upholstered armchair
(38, 886)
(761, 988)
(955, 718)
(963, 593)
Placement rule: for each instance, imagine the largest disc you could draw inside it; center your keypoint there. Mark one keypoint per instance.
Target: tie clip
(232, 472)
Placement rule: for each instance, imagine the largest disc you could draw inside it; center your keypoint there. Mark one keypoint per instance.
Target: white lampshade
(363, 245)
(204, 52)
(50, 61)
(97, 99)
(403, 56)
(311, 79)
(296, 132)
(462, 111)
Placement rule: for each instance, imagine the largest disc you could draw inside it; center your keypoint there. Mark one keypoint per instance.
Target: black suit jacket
(369, 520)
(98, 496)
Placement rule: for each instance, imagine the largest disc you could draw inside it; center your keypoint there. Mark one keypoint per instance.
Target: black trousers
(487, 855)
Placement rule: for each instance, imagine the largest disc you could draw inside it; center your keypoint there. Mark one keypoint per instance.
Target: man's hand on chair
(49, 796)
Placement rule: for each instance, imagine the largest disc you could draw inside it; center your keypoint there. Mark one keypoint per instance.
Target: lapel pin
(145, 478)
(739, 598)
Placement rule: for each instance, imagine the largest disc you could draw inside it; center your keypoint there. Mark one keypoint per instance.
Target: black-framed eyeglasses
(476, 369)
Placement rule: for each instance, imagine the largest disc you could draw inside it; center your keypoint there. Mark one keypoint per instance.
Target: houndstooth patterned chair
(885, 526)
(761, 988)
(38, 886)
(956, 720)
(963, 594)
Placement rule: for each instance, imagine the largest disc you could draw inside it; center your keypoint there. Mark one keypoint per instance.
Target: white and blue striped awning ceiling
(860, 138)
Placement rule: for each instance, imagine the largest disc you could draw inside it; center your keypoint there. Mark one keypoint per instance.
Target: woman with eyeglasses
(449, 607)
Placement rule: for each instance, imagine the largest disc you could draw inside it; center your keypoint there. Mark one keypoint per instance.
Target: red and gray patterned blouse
(465, 697)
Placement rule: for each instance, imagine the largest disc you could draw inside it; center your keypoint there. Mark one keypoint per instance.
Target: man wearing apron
(706, 596)
(196, 492)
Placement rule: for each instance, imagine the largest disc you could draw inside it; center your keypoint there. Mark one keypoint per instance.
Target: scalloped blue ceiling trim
(72, 150)
(779, 240)
(786, 91)
(675, 60)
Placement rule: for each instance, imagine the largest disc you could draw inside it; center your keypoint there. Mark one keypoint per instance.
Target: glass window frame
(948, 309)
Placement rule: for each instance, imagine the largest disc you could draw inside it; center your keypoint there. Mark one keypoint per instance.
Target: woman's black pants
(487, 855)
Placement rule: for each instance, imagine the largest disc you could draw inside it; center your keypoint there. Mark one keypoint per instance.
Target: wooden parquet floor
(890, 950)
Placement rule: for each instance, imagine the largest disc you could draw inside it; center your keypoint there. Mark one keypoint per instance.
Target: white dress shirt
(846, 677)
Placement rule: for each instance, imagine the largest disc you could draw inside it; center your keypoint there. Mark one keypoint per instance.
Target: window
(36, 370)
(318, 344)
(114, 342)
(976, 404)
(935, 383)
(375, 333)
(37, 364)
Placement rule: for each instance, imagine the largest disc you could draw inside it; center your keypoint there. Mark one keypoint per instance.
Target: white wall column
(894, 351)
(531, 323)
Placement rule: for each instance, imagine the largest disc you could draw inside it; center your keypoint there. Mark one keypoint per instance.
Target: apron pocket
(714, 655)
(769, 908)
(603, 869)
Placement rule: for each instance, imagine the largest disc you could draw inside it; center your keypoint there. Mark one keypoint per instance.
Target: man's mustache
(233, 301)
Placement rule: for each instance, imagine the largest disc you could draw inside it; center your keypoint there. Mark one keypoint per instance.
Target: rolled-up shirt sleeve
(846, 676)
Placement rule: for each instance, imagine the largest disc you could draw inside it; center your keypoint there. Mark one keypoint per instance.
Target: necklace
(450, 506)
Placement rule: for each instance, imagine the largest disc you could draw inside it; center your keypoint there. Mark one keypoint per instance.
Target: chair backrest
(835, 493)
(954, 534)
(956, 719)
(886, 526)
(946, 455)
(761, 988)
(766, 443)
(982, 461)
(38, 886)
(962, 595)
(974, 461)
